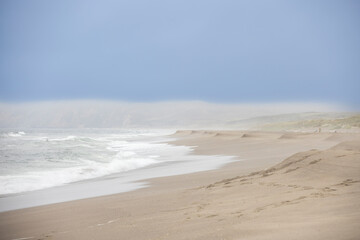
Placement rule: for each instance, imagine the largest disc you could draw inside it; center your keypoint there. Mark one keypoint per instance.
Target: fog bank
(177, 114)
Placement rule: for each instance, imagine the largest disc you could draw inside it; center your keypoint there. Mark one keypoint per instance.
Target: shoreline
(172, 161)
(195, 205)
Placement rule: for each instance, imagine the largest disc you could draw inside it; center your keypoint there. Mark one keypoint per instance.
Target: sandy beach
(284, 186)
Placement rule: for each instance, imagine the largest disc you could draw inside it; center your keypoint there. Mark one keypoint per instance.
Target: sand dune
(342, 137)
(310, 195)
(229, 133)
(291, 186)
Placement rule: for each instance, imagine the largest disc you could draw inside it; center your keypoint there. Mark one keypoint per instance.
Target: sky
(229, 51)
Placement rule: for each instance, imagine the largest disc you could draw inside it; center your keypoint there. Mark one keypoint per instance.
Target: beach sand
(284, 186)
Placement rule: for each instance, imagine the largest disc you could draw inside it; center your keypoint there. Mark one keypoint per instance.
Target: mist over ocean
(144, 115)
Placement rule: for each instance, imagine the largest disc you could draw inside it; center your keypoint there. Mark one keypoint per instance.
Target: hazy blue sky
(219, 51)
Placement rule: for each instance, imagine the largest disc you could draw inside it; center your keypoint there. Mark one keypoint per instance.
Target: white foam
(61, 139)
(124, 161)
(40, 180)
(15, 134)
(67, 159)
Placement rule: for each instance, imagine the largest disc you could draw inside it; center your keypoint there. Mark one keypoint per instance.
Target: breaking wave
(46, 160)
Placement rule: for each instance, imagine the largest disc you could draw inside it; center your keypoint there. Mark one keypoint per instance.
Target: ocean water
(37, 159)
(42, 166)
